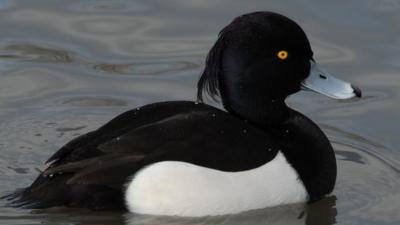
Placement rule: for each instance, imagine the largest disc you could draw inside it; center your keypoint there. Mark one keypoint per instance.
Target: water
(66, 67)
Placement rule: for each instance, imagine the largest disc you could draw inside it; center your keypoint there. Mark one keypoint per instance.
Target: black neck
(273, 113)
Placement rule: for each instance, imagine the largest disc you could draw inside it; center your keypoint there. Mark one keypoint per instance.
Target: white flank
(184, 189)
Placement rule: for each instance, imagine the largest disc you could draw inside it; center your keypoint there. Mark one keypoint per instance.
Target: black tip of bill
(357, 91)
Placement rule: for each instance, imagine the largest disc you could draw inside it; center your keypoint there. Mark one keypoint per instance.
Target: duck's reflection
(322, 212)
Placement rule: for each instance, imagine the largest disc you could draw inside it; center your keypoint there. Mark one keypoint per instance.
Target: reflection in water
(77, 217)
(322, 212)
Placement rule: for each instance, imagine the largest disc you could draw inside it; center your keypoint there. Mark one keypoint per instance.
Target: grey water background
(69, 66)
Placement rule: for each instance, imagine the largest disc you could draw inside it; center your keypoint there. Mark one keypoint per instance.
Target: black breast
(309, 151)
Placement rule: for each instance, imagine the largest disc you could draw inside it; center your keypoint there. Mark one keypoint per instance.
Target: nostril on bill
(323, 76)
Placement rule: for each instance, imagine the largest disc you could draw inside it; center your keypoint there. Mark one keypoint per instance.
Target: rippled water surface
(66, 67)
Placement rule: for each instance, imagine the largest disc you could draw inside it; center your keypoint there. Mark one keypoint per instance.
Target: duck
(191, 159)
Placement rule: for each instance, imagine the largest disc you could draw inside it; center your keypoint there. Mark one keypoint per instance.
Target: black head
(258, 60)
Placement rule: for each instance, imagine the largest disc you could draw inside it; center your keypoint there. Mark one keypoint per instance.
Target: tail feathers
(76, 196)
(22, 199)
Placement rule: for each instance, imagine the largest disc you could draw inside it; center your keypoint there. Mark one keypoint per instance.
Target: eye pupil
(283, 54)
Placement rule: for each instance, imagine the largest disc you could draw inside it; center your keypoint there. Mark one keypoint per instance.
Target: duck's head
(258, 60)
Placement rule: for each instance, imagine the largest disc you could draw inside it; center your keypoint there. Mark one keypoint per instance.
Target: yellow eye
(282, 54)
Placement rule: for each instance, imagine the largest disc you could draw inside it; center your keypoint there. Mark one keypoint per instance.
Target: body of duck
(191, 159)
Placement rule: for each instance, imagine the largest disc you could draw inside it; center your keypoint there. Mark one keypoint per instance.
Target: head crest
(209, 81)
